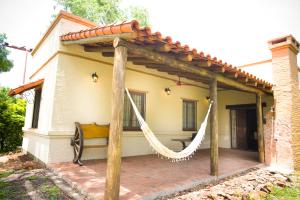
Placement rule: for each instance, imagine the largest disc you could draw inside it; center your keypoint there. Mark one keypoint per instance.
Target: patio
(148, 177)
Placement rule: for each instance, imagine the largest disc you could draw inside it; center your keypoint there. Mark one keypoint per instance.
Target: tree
(104, 11)
(5, 63)
(141, 14)
(12, 112)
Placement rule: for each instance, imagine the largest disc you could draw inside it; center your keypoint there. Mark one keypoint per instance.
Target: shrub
(12, 112)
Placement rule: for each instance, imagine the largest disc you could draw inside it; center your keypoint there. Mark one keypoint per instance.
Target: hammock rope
(161, 149)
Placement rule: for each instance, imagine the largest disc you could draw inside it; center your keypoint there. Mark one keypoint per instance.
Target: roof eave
(25, 87)
(101, 38)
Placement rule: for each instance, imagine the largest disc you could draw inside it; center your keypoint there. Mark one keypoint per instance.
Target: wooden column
(112, 186)
(260, 132)
(214, 140)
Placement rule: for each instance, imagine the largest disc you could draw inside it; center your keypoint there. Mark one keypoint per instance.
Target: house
(170, 83)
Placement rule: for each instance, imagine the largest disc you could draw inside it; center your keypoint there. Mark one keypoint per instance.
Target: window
(189, 115)
(130, 122)
(36, 107)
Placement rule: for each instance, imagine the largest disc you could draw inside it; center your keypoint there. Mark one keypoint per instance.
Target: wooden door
(252, 130)
(241, 129)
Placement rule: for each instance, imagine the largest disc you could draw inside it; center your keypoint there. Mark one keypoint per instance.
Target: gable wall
(43, 66)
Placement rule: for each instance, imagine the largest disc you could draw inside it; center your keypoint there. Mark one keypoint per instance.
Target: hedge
(12, 115)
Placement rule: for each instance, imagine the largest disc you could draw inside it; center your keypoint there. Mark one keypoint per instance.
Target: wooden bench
(84, 132)
(183, 141)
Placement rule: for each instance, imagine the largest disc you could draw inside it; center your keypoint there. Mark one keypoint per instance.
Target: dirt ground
(23, 178)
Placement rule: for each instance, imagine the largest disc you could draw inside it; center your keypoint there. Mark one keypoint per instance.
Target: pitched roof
(145, 37)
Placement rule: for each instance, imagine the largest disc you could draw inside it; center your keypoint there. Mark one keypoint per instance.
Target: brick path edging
(196, 183)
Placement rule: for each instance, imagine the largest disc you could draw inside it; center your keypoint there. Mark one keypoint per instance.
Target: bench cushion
(94, 131)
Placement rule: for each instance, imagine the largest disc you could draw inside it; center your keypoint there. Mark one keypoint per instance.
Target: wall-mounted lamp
(208, 98)
(95, 77)
(168, 91)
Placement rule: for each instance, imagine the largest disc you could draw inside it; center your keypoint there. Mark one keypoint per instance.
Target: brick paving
(147, 177)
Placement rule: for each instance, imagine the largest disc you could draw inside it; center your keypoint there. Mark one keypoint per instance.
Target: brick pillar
(286, 101)
(270, 145)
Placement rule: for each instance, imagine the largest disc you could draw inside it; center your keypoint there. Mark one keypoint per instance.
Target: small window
(36, 107)
(189, 115)
(130, 122)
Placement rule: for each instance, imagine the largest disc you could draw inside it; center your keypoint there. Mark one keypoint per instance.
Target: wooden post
(260, 133)
(214, 140)
(112, 186)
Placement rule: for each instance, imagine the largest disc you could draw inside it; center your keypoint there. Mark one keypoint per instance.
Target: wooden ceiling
(107, 50)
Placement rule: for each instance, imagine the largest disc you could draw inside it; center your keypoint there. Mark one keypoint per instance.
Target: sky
(233, 30)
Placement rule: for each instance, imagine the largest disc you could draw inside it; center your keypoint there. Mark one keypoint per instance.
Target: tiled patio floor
(145, 177)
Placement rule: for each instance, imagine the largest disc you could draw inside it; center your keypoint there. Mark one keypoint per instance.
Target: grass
(32, 178)
(5, 174)
(4, 184)
(52, 191)
(287, 193)
(5, 193)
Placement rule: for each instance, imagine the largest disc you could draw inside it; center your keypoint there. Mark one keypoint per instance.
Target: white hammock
(163, 150)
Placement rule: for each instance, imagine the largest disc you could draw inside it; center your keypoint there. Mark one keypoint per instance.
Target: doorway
(244, 128)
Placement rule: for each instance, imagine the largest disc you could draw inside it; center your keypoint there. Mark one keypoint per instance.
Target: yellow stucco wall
(78, 98)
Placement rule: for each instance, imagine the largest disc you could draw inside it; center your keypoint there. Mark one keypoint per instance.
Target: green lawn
(42, 187)
(287, 193)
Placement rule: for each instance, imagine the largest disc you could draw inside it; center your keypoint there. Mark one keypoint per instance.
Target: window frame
(143, 111)
(194, 128)
(36, 108)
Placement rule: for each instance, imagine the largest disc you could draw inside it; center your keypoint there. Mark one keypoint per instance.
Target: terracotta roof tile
(144, 36)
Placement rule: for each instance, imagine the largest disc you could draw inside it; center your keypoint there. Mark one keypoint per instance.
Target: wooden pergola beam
(108, 54)
(186, 57)
(151, 64)
(262, 85)
(172, 61)
(243, 79)
(252, 83)
(232, 74)
(140, 60)
(144, 61)
(99, 49)
(200, 63)
(220, 69)
(177, 64)
(112, 54)
(162, 47)
(186, 75)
